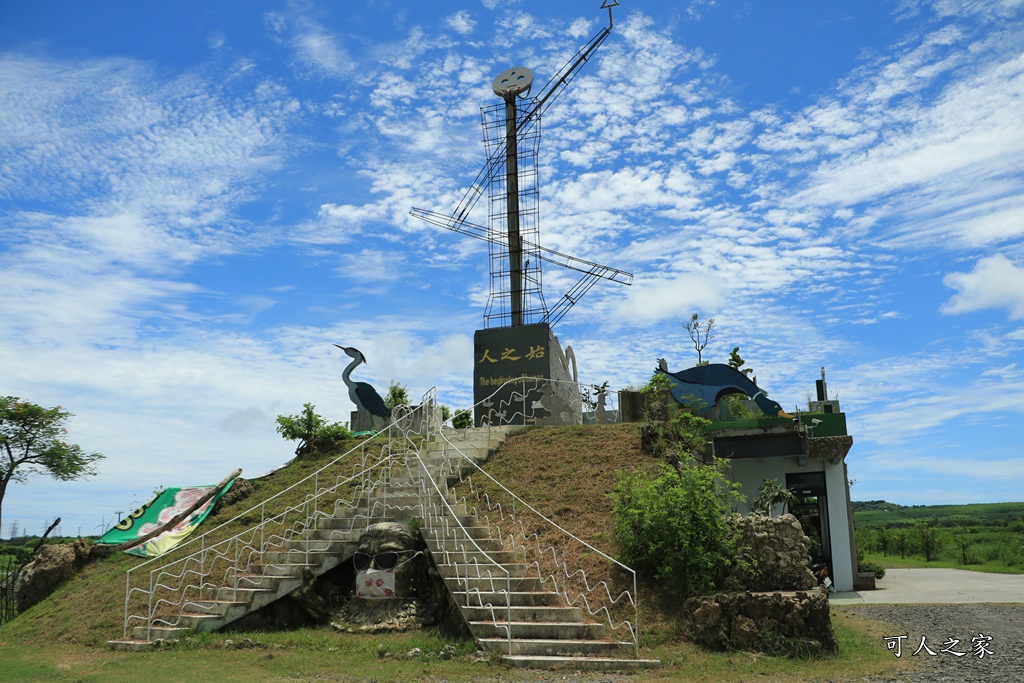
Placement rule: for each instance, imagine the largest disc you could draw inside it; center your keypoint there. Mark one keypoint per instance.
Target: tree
(963, 539)
(737, 363)
(866, 539)
(398, 395)
(901, 542)
(31, 442)
(700, 334)
(313, 432)
(769, 494)
(883, 540)
(928, 540)
(463, 418)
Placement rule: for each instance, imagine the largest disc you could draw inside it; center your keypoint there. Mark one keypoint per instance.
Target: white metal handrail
(561, 575)
(587, 403)
(443, 524)
(193, 573)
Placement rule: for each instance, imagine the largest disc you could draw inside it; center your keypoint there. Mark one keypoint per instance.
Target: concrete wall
(751, 472)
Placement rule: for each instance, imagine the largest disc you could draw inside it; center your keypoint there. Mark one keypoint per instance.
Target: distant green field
(982, 536)
(881, 513)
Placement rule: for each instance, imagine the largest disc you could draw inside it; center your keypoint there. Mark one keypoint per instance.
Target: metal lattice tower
(512, 138)
(501, 310)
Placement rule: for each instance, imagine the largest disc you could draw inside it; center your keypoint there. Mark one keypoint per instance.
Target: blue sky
(198, 199)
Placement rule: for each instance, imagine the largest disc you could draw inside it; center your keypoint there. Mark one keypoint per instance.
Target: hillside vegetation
(567, 473)
(881, 513)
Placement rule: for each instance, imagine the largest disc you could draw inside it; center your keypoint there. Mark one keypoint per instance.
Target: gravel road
(937, 624)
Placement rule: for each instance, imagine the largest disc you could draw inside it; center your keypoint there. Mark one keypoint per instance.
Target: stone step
(451, 566)
(401, 495)
(455, 545)
(561, 648)
(131, 645)
(410, 500)
(477, 452)
(159, 633)
(260, 582)
(474, 598)
(201, 623)
(286, 569)
(530, 613)
(334, 541)
(496, 628)
(294, 556)
(439, 533)
(229, 594)
(351, 523)
(579, 663)
(469, 555)
(215, 607)
(335, 537)
(525, 584)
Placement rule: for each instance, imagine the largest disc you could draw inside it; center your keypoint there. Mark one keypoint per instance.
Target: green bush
(463, 418)
(874, 567)
(314, 433)
(398, 395)
(674, 527)
(670, 430)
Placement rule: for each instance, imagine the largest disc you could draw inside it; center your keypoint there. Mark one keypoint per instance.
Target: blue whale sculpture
(702, 386)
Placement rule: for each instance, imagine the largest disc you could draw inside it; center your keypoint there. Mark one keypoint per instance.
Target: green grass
(63, 638)
(324, 655)
(305, 654)
(918, 562)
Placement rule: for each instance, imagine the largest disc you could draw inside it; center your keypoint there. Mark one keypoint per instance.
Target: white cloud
(929, 158)
(670, 296)
(317, 50)
(373, 265)
(995, 282)
(461, 22)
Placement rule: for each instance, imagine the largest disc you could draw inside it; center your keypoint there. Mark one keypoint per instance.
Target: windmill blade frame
(547, 255)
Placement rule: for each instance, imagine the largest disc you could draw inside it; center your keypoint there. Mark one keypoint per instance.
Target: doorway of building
(811, 509)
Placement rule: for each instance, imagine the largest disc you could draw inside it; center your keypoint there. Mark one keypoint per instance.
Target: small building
(806, 454)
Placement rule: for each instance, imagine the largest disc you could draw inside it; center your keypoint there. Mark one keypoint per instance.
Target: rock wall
(777, 550)
(797, 625)
(53, 565)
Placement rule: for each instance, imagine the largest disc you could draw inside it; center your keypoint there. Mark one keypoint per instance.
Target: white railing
(158, 590)
(355, 488)
(519, 525)
(547, 402)
(455, 548)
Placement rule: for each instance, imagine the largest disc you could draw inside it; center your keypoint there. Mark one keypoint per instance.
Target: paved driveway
(938, 586)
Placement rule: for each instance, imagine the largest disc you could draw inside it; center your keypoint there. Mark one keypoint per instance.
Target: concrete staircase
(530, 627)
(502, 599)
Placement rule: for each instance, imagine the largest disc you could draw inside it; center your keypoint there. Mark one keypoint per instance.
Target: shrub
(674, 527)
(874, 567)
(313, 432)
(398, 395)
(669, 430)
(770, 494)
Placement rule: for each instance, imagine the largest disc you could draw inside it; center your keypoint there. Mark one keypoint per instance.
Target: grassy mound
(567, 473)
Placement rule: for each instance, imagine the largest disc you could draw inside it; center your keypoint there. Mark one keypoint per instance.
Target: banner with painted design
(160, 510)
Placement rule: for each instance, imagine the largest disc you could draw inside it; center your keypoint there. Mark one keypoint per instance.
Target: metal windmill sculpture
(512, 136)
